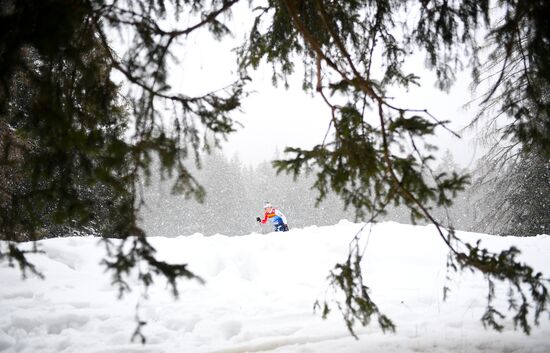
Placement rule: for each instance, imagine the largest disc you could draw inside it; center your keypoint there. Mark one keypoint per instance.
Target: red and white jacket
(276, 217)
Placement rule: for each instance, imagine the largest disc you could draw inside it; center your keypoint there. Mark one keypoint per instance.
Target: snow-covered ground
(259, 296)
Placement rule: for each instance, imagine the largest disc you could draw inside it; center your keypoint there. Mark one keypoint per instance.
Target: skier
(276, 217)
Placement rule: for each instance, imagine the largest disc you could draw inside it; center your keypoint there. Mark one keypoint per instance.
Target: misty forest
(110, 131)
(236, 193)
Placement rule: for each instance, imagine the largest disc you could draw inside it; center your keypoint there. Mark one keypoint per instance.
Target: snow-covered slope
(259, 296)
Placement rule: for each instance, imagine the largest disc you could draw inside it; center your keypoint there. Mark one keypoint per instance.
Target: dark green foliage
(136, 253)
(519, 63)
(516, 181)
(372, 154)
(15, 254)
(521, 278)
(64, 161)
(68, 162)
(348, 277)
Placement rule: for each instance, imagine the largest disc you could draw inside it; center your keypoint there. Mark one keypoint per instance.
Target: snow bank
(259, 296)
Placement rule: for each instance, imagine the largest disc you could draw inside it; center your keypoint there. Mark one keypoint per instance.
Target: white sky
(275, 118)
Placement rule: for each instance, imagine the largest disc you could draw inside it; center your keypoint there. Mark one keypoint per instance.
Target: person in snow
(276, 217)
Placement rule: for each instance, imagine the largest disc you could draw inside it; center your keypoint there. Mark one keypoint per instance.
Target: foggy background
(235, 193)
(239, 178)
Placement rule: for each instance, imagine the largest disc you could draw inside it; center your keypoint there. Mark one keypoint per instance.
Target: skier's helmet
(267, 204)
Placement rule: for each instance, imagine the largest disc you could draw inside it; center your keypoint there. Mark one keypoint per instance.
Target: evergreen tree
(61, 115)
(225, 209)
(515, 195)
(222, 212)
(460, 212)
(65, 123)
(375, 156)
(234, 199)
(516, 116)
(63, 126)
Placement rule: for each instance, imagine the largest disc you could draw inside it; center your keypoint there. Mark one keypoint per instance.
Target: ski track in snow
(259, 296)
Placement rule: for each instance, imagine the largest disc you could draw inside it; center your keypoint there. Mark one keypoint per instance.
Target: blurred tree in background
(513, 192)
(75, 143)
(234, 198)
